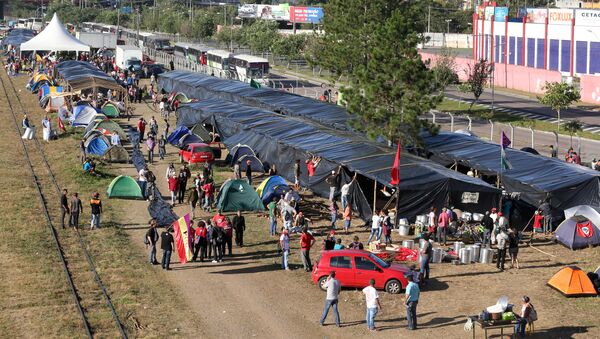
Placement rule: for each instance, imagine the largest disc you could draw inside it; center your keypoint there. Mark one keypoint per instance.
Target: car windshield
(379, 261)
(201, 149)
(135, 62)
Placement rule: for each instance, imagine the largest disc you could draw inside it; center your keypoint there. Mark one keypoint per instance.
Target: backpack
(287, 216)
(532, 314)
(150, 176)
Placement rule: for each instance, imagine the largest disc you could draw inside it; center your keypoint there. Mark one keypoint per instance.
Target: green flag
(254, 84)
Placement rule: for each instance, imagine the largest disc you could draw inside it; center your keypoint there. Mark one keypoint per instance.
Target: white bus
(190, 52)
(248, 67)
(219, 59)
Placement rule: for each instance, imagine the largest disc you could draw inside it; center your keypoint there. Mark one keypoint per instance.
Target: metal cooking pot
(408, 244)
(437, 255)
(475, 250)
(402, 222)
(486, 255)
(422, 218)
(458, 245)
(477, 216)
(465, 256)
(404, 230)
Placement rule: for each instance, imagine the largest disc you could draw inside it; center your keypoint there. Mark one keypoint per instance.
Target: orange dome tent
(572, 282)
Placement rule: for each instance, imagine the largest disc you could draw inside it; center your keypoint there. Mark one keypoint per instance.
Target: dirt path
(248, 295)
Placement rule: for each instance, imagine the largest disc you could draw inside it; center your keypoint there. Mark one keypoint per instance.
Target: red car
(196, 153)
(354, 268)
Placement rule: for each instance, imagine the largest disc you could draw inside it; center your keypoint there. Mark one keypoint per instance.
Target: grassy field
(34, 298)
(484, 113)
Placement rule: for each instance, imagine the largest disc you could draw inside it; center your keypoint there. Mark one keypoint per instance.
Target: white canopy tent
(54, 37)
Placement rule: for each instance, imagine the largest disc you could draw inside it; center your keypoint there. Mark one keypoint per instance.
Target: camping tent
(270, 182)
(107, 127)
(187, 139)
(255, 163)
(237, 195)
(576, 233)
(54, 37)
(271, 188)
(202, 132)
(124, 187)
(239, 151)
(110, 110)
(176, 135)
(96, 144)
(572, 282)
(83, 115)
(116, 153)
(55, 103)
(591, 213)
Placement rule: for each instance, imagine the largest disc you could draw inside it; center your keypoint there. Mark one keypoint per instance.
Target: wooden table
(490, 326)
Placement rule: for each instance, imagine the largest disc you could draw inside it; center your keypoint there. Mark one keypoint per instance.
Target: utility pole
(429, 19)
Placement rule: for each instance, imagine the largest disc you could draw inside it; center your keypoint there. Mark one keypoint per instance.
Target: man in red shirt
(306, 242)
(443, 221)
(222, 221)
(200, 241)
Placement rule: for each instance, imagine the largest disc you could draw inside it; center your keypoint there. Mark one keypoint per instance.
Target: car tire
(321, 283)
(393, 286)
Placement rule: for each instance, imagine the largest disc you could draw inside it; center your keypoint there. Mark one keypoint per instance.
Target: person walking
(200, 241)
(284, 243)
(151, 239)
(150, 146)
(166, 244)
(502, 242)
(443, 221)
(173, 188)
(375, 227)
(272, 206)
(64, 207)
(513, 248)
(162, 150)
(181, 184)
(76, 209)
(306, 242)
(347, 217)
(239, 225)
(96, 208)
(411, 301)
(373, 304)
(425, 255)
(142, 181)
(333, 287)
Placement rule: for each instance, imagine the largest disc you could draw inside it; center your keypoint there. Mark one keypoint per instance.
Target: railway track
(90, 296)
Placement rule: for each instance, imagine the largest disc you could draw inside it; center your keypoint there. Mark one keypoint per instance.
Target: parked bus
(218, 59)
(159, 43)
(191, 52)
(22, 23)
(248, 67)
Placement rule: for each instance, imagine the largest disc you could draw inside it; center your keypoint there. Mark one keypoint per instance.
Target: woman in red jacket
(173, 188)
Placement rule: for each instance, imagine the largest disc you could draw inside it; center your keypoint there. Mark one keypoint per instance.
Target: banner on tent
(585, 229)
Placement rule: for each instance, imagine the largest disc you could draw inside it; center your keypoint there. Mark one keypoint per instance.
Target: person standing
(82, 151)
(333, 182)
(488, 224)
(193, 199)
(151, 239)
(411, 301)
(239, 225)
(28, 134)
(142, 181)
(538, 219)
(166, 244)
(249, 172)
(181, 185)
(425, 255)
(272, 206)
(141, 126)
(64, 207)
(150, 146)
(443, 221)
(162, 151)
(173, 189)
(96, 208)
(502, 242)
(200, 241)
(347, 217)
(46, 127)
(333, 211)
(373, 304)
(546, 210)
(332, 285)
(306, 242)
(76, 209)
(297, 173)
(431, 221)
(345, 192)
(375, 227)
(284, 243)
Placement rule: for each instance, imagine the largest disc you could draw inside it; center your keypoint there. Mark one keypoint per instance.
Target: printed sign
(559, 16)
(265, 12)
(587, 17)
(537, 15)
(585, 230)
(306, 14)
(500, 14)
(470, 198)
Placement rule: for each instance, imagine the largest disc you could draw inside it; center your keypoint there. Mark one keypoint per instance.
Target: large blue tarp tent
(535, 177)
(201, 86)
(281, 139)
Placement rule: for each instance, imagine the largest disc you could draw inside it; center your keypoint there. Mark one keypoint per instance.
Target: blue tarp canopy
(280, 140)
(534, 176)
(177, 134)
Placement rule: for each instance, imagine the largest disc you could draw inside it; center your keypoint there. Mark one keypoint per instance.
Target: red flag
(396, 168)
(60, 124)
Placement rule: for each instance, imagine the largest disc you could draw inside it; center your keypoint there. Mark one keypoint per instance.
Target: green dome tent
(237, 195)
(110, 110)
(124, 187)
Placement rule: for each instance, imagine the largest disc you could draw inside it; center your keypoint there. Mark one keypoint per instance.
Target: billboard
(489, 13)
(312, 15)
(560, 16)
(265, 12)
(587, 17)
(500, 14)
(537, 15)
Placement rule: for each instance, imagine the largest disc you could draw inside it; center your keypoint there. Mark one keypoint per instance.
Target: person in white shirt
(284, 242)
(345, 191)
(46, 126)
(494, 216)
(373, 305)
(115, 139)
(170, 171)
(161, 107)
(142, 181)
(376, 221)
(331, 301)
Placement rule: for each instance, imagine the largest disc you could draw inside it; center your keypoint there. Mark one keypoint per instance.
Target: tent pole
(374, 195)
